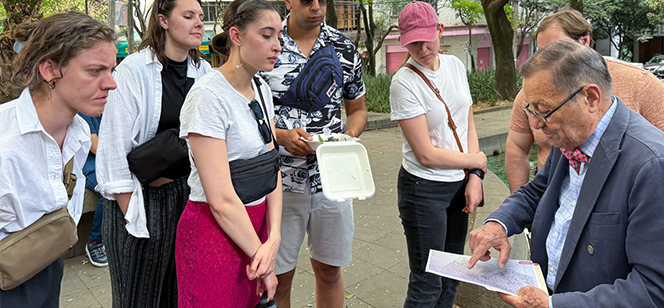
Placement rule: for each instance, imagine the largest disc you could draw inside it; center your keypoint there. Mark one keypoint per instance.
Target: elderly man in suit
(597, 205)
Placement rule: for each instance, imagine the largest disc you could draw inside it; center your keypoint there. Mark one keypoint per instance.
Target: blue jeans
(432, 218)
(91, 183)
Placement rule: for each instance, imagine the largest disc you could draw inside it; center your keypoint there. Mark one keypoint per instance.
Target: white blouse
(31, 165)
(131, 117)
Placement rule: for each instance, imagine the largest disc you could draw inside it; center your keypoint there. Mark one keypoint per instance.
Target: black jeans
(432, 218)
(40, 291)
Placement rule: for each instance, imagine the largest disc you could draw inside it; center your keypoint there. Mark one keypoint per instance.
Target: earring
(239, 65)
(51, 84)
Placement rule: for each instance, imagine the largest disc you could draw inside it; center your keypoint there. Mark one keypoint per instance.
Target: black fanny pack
(165, 155)
(256, 177)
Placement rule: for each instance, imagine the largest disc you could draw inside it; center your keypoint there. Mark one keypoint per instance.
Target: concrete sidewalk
(378, 273)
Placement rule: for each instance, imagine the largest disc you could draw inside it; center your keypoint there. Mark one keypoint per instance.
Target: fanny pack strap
(69, 178)
(269, 125)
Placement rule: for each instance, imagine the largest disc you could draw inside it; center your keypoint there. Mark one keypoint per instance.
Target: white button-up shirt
(131, 117)
(31, 166)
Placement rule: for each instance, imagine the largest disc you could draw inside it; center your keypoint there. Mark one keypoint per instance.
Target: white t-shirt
(213, 108)
(411, 97)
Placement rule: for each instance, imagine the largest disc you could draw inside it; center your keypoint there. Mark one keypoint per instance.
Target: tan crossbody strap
(69, 178)
(437, 92)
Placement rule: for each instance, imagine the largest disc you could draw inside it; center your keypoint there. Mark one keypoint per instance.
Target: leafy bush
(377, 98)
(482, 88)
(483, 85)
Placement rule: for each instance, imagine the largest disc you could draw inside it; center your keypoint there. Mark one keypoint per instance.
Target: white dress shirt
(31, 166)
(130, 118)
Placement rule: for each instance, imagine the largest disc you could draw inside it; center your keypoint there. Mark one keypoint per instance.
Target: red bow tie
(575, 158)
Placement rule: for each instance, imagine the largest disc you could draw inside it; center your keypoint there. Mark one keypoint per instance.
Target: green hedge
(482, 88)
(378, 92)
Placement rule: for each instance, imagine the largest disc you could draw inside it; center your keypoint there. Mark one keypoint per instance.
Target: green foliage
(3, 16)
(628, 20)
(482, 85)
(97, 9)
(377, 97)
(482, 89)
(509, 10)
(468, 11)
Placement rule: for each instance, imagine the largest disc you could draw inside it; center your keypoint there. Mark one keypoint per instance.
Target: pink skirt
(210, 266)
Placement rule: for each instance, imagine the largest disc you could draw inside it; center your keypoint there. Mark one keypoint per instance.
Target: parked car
(656, 66)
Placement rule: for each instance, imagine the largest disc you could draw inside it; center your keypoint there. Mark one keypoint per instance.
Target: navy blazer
(614, 251)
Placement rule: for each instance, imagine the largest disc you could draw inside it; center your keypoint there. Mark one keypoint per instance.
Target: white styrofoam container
(345, 172)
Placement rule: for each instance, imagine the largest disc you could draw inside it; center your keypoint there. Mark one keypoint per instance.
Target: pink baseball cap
(418, 21)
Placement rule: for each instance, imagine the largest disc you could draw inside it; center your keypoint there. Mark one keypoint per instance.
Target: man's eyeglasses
(306, 3)
(263, 127)
(543, 117)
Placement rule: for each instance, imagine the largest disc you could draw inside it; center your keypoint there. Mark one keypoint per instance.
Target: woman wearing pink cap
(440, 142)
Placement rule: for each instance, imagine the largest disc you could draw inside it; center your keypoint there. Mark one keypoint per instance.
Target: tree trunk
(331, 15)
(470, 47)
(18, 11)
(369, 28)
(577, 5)
(359, 26)
(501, 36)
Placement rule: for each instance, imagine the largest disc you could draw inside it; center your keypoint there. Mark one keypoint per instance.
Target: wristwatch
(477, 172)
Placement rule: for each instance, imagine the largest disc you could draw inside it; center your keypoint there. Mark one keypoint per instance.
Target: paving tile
(303, 289)
(371, 228)
(380, 256)
(394, 239)
(358, 270)
(71, 283)
(103, 295)
(357, 243)
(81, 299)
(89, 274)
(385, 290)
(402, 269)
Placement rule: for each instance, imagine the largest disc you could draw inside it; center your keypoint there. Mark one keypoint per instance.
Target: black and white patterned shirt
(291, 60)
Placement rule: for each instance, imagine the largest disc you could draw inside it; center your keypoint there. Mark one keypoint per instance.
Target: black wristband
(477, 172)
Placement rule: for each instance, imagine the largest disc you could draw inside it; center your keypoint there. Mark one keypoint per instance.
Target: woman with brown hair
(140, 223)
(64, 68)
(229, 234)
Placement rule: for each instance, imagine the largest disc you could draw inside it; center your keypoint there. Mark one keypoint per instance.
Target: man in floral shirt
(328, 223)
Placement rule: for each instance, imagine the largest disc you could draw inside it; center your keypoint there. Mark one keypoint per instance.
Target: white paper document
(515, 275)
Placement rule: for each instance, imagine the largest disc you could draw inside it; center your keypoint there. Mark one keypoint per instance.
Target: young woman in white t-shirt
(434, 200)
(225, 250)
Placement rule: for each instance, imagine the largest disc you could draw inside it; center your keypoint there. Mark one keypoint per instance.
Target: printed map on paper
(515, 275)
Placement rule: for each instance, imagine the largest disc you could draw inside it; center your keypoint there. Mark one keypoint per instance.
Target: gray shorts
(328, 223)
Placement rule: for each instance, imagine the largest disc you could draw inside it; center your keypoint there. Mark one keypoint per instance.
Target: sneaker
(97, 254)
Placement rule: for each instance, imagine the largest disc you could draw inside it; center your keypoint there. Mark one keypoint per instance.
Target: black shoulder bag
(256, 177)
(164, 154)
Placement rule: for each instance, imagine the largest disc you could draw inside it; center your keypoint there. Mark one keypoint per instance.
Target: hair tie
(18, 45)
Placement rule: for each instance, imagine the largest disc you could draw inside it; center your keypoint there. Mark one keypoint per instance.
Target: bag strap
(437, 92)
(69, 178)
(269, 125)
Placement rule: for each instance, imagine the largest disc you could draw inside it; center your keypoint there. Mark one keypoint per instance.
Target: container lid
(345, 172)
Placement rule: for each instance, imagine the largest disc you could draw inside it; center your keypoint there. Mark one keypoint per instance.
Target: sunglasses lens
(265, 133)
(256, 109)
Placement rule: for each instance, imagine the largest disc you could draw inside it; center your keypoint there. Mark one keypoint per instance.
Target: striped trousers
(143, 269)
